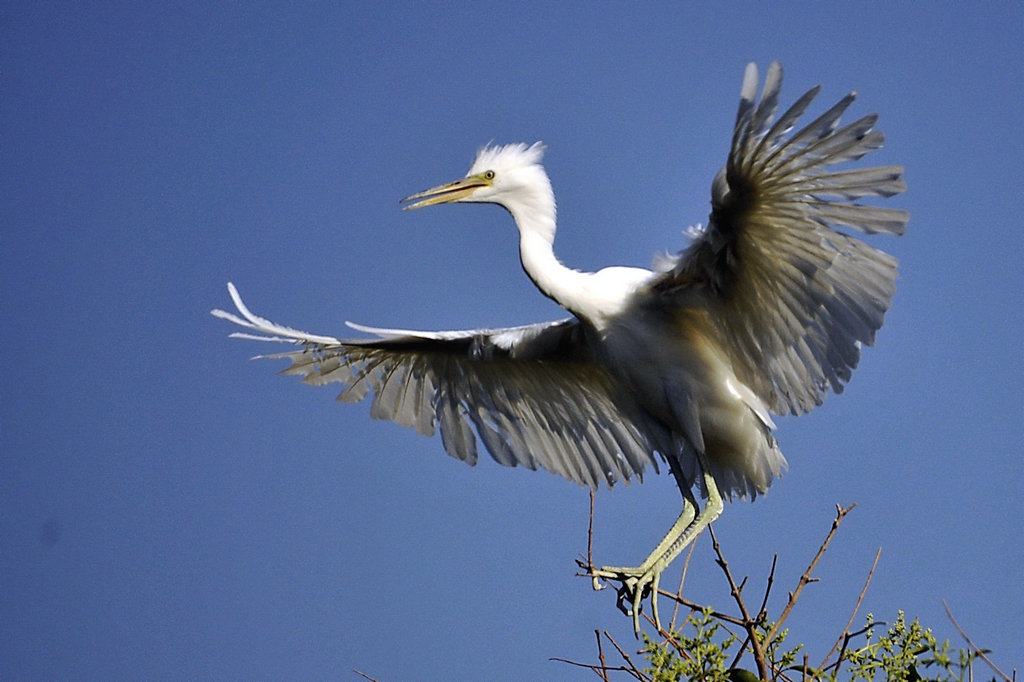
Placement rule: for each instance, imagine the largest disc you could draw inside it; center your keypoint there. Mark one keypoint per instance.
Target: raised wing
(533, 394)
(792, 298)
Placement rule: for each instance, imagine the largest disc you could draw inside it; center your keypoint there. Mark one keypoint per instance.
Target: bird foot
(635, 584)
(589, 571)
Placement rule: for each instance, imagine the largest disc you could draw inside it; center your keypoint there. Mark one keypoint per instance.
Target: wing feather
(794, 299)
(533, 395)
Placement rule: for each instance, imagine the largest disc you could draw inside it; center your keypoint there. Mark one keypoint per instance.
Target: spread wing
(792, 298)
(533, 394)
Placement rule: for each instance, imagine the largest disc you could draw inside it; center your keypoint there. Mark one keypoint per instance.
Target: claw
(626, 597)
(635, 584)
(595, 574)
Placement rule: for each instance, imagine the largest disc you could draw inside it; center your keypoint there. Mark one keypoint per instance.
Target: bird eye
(489, 175)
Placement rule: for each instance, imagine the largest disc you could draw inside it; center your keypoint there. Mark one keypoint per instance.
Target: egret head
(508, 175)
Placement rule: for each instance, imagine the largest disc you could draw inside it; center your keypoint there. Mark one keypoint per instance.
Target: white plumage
(764, 313)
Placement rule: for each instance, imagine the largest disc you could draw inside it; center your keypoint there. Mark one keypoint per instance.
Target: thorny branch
(757, 647)
(807, 577)
(760, 612)
(845, 637)
(972, 645)
(597, 635)
(749, 624)
(745, 621)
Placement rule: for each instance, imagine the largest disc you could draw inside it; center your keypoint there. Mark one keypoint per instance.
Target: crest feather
(516, 155)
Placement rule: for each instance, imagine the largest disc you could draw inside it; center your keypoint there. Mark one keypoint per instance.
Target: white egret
(764, 312)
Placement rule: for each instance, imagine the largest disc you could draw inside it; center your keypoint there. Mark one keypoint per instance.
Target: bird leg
(637, 582)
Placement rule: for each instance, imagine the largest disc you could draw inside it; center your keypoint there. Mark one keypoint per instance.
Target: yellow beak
(446, 194)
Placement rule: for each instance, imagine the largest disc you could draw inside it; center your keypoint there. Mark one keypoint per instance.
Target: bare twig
(972, 645)
(362, 674)
(694, 606)
(847, 638)
(597, 633)
(749, 624)
(843, 639)
(682, 581)
(600, 670)
(807, 576)
(603, 669)
(632, 668)
(587, 564)
(768, 585)
(762, 611)
(590, 532)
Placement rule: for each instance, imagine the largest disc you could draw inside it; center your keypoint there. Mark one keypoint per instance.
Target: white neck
(560, 283)
(591, 296)
(573, 290)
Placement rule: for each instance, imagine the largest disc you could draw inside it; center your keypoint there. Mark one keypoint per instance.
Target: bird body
(686, 384)
(763, 313)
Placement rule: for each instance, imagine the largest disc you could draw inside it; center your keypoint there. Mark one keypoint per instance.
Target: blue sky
(171, 509)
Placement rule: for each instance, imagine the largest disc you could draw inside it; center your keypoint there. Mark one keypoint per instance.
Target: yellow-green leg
(637, 581)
